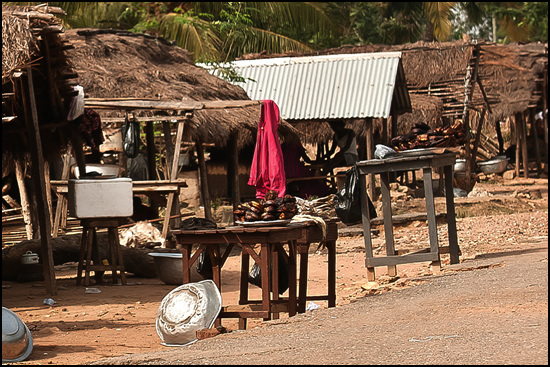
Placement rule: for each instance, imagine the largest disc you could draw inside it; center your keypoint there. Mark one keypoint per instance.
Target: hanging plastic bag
(130, 137)
(348, 200)
(255, 276)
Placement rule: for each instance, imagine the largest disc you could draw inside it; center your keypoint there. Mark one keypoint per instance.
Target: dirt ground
(82, 328)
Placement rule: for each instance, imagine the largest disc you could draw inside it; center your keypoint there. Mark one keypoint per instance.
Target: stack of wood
(422, 136)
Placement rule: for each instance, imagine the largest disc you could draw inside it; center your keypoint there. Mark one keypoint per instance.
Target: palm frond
(192, 36)
(438, 14)
(262, 40)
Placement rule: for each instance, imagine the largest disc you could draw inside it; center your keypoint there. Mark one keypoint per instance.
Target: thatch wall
(123, 64)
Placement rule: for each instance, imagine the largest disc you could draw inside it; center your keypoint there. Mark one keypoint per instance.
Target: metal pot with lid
(29, 258)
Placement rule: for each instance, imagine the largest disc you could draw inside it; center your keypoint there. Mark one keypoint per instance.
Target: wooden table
(395, 164)
(272, 241)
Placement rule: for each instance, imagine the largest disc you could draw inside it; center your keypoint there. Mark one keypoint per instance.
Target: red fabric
(268, 171)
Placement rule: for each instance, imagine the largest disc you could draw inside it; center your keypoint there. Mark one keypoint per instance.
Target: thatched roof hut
(511, 75)
(31, 37)
(112, 63)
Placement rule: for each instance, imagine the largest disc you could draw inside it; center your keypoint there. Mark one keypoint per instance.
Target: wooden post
(25, 202)
(39, 183)
(204, 181)
(477, 137)
(469, 92)
(545, 113)
(370, 154)
(150, 140)
(534, 136)
(48, 189)
(523, 126)
(234, 162)
(173, 176)
(518, 142)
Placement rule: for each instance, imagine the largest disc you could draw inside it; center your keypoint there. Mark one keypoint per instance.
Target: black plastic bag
(204, 265)
(130, 137)
(348, 200)
(255, 276)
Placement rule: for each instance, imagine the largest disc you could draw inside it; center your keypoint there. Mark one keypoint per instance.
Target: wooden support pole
(205, 193)
(476, 140)
(173, 176)
(545, 113)
(234, 162)
(535, 138)
(40, 188)
(25, 202)
(523, 126)
(518, 142)
(371, 182)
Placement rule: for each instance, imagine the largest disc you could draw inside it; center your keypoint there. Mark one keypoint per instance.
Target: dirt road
(494, 313)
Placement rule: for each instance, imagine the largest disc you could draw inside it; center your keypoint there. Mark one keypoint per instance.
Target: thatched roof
(123, 64)
(435, 72)
(30, 37)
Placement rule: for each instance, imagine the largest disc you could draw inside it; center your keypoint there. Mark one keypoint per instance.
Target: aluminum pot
(29, 258)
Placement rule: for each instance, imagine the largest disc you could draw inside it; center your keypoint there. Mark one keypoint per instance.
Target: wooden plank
(144, 104)
(403, 259)
(40, 181)
(230, 104)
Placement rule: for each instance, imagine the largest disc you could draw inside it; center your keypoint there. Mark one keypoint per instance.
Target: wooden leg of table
(303, 250)
(120, 259)
(82, 255)
(112, 251)
(89, 241)
(275, 275)
(292, 299)
(186, 255)
(388, 224)
(331, 279)
(265, 257)
(216, 271)
(96, 256)
(451, 217)
(430, 210)
(243, 293)
(366, 228)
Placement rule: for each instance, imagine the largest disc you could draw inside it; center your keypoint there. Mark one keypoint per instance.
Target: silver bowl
(495, 165)
(16, 338)
(460, 165)
(187, 309)
(169, 267)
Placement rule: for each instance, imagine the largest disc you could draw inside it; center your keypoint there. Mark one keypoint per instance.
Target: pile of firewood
(422, 136)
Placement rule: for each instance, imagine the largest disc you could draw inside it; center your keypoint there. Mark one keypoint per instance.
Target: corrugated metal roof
(328, 87)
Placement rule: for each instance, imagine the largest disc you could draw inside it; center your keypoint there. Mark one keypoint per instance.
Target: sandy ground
(83, 328)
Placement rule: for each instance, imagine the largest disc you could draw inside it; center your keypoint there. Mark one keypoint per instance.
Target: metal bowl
(460, 165)
(496, 165)
(16, 338)
(168, 266)
(187, 309)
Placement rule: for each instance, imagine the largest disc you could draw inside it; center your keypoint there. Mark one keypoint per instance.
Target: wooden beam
(205, 193)
(40, 188)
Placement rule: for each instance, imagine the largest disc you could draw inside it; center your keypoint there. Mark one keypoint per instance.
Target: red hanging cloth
(268, 171)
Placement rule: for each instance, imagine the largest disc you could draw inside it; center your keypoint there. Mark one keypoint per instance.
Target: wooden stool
(89, 251)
